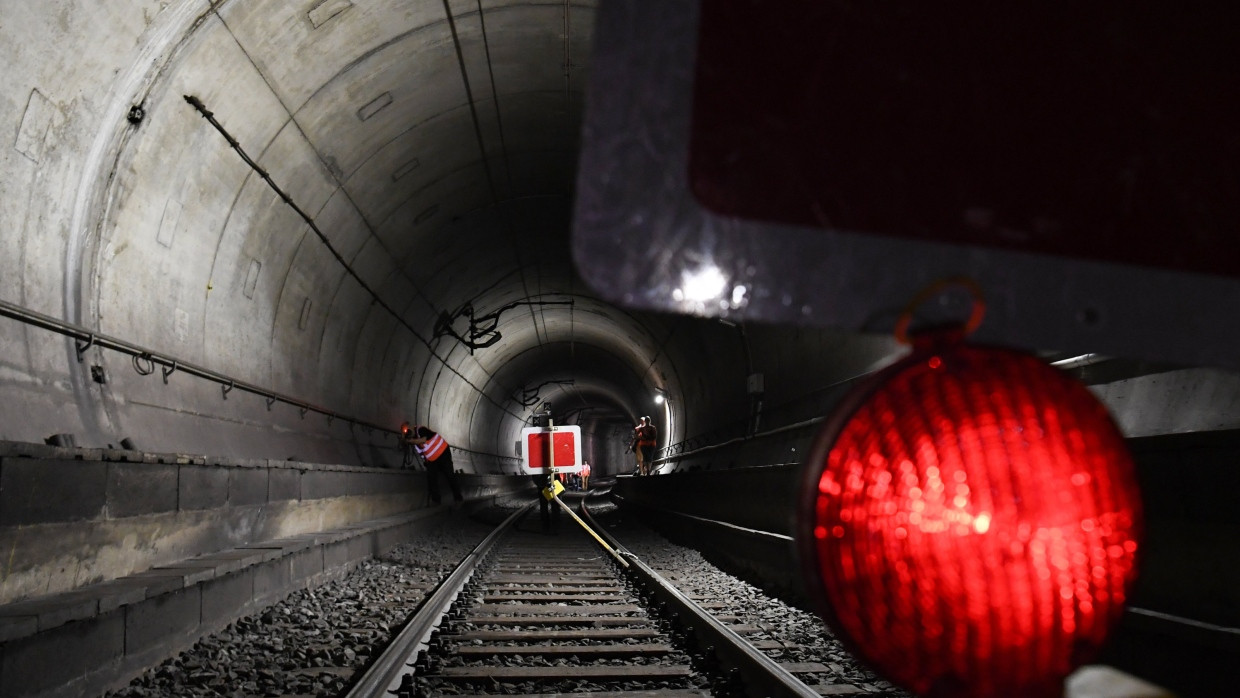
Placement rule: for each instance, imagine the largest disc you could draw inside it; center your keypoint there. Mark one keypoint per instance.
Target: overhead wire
(344, 192)
(503, 149)
(483, 329)
(568, 67)
(486, 162)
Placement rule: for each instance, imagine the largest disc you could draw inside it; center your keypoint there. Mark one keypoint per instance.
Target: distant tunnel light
(971, 521)
(658, 398)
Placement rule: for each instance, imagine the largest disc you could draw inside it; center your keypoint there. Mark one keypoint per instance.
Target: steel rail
(761, 674)
(383, 678)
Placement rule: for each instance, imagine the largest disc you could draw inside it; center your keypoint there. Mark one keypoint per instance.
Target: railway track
(531, 614)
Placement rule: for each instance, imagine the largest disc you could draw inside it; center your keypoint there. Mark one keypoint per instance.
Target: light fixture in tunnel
(969, 522)
(659, 396)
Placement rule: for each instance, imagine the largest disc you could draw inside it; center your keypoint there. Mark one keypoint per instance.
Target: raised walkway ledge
(84, 640)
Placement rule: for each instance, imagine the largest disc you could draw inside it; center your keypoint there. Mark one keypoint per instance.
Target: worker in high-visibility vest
(585, 476)
(642, 444)
(437, 456)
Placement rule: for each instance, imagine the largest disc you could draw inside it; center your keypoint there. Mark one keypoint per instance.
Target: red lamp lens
(974, 523)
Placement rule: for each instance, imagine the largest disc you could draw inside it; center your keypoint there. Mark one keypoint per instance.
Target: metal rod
(168, 364)
(589, 530)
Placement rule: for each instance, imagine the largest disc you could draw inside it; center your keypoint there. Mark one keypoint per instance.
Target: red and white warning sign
(545, 446)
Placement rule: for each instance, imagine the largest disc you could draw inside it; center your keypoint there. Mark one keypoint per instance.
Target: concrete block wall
(1190, 565)
(71, 517)
(784, 447)
(100, 636)
(119, 559)
(761, 497)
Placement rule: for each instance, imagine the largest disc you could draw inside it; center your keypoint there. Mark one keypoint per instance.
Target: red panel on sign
(565, 449)
(1088, 130)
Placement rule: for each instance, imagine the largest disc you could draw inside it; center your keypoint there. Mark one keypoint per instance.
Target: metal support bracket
(81, 348)
(270, 401)
(168, 371)
(226, 389)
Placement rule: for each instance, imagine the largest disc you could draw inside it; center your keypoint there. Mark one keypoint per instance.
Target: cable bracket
(81, 348)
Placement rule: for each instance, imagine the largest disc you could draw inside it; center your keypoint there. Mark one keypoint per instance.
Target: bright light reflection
(981, 522)
(705, 284)
(738, 296)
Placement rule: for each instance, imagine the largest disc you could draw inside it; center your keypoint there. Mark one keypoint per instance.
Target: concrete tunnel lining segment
(226, 46)
(157, 233)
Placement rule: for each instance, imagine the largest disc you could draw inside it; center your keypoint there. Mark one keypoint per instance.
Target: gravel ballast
(313, 642)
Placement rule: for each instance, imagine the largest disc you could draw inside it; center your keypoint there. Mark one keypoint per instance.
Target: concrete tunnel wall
(158, 234)
(70, 518)
(440, 178)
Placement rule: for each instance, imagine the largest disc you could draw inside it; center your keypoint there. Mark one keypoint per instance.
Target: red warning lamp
(970, 517)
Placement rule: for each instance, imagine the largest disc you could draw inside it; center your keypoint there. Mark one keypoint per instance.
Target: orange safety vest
(433, 447)
(645, 435)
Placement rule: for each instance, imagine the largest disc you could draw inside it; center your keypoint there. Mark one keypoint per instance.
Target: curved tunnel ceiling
(315, 199)
(436, 155)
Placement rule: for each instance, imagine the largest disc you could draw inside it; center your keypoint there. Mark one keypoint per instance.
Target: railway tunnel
(244, 241)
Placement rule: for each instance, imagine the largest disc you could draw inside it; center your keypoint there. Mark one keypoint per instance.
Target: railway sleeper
(549, 609)
(573, 672)
(539, 635)
(581, 651)
(665, 693)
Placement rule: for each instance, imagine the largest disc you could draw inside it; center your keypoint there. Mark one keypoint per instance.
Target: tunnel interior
(273, 231)
(364, 207)
(360, 214)
(276, 230)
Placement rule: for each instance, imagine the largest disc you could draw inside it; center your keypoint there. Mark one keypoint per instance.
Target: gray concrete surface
(71, 518)
(437, 152)
(99, 636)
(440, 178)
